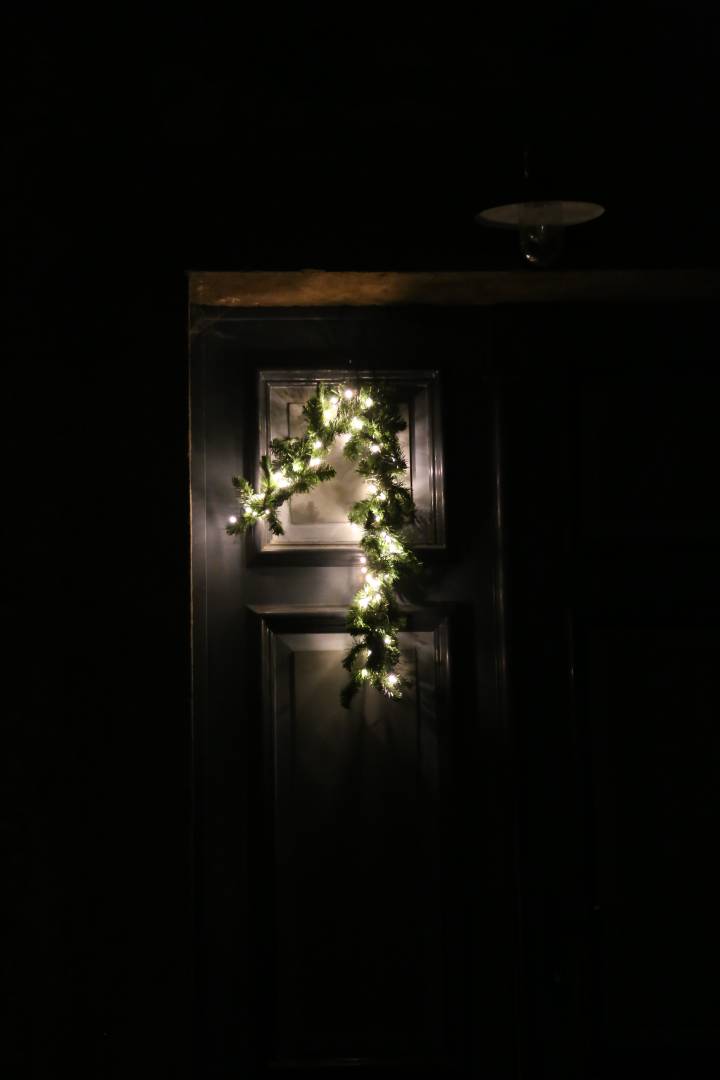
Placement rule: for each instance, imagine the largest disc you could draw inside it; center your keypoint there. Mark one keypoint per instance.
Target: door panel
(359, 805)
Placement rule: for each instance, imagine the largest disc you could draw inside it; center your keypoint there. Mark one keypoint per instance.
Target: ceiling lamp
(540, 224)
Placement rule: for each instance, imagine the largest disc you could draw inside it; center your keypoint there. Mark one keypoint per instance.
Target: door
(355, 902)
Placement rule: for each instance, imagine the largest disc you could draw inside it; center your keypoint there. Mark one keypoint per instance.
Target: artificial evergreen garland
(370, 421)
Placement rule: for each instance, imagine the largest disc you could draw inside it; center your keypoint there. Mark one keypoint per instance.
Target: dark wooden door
(355, 899)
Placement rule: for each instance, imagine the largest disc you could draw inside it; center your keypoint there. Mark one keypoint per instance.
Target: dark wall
(613, 538)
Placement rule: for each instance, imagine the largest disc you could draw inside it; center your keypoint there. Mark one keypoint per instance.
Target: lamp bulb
(374, 448)
(347, 393)
(232, 519)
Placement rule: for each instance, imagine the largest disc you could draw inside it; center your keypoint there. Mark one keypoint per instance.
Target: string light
(373, 615)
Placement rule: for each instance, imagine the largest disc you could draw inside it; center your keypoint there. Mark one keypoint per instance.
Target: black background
(139, 150)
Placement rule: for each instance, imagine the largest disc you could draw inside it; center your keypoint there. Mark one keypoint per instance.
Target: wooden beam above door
(320, 288)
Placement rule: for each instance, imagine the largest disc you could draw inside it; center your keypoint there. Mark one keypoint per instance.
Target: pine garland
(370, 421)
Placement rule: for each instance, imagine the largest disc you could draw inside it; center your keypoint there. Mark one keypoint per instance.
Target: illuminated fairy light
(384, 511)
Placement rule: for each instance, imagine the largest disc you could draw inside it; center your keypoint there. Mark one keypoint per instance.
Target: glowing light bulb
(297, 466)
(333, 401)
(317, 444)
(372, 581)
(364, 601)
(363, 559)
(363, 673)
(327, 416)
(372, 488)
(232, 519)
(369, 403)
(382, 496)
(374, 448)
(280, 480)
(356, 423)
(392, 679)
(369, 652)
(348, 393)
(387, 639)
(376, 597)
(314, 461)
(363, 570)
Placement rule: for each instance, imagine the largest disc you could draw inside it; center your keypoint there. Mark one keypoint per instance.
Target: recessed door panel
(360, 921)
